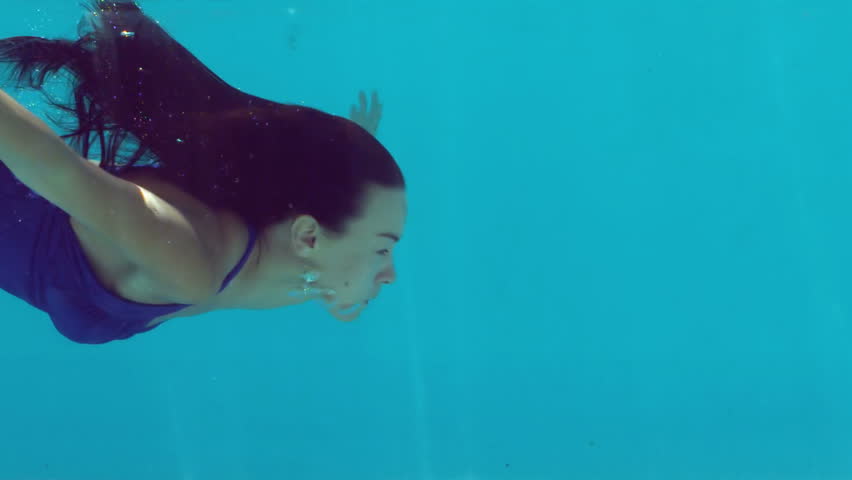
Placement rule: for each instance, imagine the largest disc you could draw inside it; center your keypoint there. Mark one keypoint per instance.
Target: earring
(307, 290)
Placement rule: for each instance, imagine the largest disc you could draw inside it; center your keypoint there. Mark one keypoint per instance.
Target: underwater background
(627, 257)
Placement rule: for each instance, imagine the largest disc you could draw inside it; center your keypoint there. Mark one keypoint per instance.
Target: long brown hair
(134, 86)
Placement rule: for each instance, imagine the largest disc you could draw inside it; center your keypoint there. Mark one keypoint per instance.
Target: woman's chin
(347, 312)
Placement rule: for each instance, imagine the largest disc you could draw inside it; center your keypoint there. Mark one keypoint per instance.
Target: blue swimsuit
(42, 263)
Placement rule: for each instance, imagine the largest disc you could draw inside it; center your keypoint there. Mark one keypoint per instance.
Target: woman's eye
(384, 252)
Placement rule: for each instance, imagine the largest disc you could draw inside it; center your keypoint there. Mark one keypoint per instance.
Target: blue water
(627, 258)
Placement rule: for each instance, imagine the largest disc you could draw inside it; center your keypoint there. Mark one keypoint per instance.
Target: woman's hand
(369, 120)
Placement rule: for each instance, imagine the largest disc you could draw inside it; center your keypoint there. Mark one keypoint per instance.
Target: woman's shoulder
(133, 281)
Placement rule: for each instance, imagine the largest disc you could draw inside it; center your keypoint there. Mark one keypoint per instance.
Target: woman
(204, 198)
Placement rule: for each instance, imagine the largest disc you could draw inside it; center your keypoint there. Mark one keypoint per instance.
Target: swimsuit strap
(234, 271)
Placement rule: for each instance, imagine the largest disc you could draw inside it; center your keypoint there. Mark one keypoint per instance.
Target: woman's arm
(367, 119)
(152, 233)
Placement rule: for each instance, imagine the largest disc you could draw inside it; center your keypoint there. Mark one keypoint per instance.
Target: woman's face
(353, 266)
